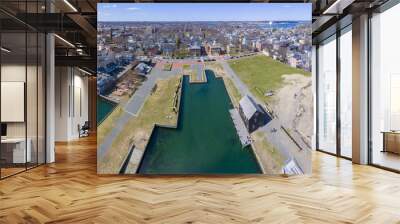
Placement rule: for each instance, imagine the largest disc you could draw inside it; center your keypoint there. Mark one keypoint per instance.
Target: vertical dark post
(317, 98)
(338, 123)
(37, 87)
(369, 97)
(26, 86)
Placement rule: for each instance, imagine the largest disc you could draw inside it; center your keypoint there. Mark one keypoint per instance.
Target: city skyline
(201, 12)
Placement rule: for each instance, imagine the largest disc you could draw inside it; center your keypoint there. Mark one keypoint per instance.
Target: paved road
(278, 138)
(133, 106)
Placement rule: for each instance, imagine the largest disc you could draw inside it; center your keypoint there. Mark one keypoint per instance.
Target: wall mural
(204, 88)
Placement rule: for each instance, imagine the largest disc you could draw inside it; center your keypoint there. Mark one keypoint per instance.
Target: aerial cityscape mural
(204, 88)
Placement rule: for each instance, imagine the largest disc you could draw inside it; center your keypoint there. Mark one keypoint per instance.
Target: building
(142, 69)
(195, 50)
(253, 115)
(292, 61)
(168, 49)
(214, 49)
(105, 83)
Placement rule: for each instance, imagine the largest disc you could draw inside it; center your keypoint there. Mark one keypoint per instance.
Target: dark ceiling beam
(15, 18)
(322, 23)
(49, 22)
(91, 5)
(335, 17)
(78, 61)
(58, 23)
(337, 7)
(86, 27)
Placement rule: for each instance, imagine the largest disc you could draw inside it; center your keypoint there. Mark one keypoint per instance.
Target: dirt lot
(294, 104)
(126, 86)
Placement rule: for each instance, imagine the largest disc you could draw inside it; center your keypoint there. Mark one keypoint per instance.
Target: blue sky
(203, 11)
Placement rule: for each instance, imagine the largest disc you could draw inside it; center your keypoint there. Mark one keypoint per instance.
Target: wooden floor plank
(70, 191)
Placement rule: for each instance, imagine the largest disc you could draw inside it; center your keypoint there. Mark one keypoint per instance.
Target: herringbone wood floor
(69, 191)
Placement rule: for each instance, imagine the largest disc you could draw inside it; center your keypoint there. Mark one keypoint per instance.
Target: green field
(261, 73)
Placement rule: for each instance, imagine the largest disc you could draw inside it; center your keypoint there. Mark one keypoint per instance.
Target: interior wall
(80, 105)
(13, 73)
(71, 102)
(61, 103)
(33, 126)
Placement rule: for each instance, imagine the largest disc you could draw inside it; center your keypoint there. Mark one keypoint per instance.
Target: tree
(178, 42)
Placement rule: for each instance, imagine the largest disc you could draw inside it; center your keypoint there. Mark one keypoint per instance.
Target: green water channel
(205, 140)
(104, 107)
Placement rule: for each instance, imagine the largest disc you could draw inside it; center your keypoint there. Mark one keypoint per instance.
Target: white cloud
(106, 6)
(133, 8)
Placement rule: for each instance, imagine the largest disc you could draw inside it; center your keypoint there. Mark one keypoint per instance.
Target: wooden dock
(240, 127)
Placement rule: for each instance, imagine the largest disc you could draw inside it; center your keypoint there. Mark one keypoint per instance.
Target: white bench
(19, 153)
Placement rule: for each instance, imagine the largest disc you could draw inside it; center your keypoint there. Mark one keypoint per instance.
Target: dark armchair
(84, 130)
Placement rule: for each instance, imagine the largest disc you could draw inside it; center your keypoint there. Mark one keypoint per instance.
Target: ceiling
(329, 15)
(72, 20)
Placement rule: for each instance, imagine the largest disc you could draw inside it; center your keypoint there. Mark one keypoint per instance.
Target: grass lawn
(271, 159)
(261, 73)
(193, 76)
(158, 109)
(108, 124)
(187, 70)
(232, 91)
(186, 67)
